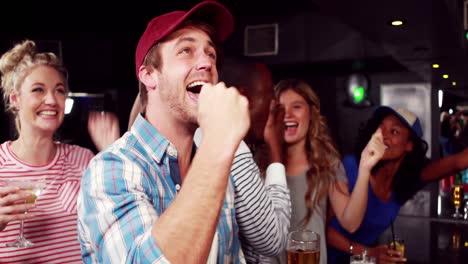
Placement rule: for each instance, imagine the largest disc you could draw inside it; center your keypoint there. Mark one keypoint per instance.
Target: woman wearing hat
(402, 171)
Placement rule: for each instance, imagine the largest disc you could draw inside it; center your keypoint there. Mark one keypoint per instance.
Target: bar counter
(432, 239)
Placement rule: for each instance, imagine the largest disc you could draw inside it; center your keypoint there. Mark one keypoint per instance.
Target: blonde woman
(35, 88)
(313, 167)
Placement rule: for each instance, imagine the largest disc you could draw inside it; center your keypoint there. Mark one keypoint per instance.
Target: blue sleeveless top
(377, 218)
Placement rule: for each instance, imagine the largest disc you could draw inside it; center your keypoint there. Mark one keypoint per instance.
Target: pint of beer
(303, 247)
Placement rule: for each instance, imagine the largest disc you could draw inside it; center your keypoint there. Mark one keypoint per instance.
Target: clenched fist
(223, 115)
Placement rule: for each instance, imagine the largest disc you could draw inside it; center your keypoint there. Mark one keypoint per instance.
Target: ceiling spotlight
(397, 23)
(454, 83)
(435, 66)
(445, 76)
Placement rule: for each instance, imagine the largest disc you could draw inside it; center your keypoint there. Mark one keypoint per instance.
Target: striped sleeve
(262, 212)
(115, 213)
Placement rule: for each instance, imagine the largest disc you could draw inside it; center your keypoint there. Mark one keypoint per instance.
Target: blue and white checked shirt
(124, 191)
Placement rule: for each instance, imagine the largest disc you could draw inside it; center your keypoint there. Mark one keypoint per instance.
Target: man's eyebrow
(191, 39)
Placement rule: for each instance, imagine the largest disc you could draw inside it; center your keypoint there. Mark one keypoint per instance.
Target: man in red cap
(149, 198)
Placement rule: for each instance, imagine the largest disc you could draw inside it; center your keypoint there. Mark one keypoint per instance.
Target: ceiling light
(440, 97)
(445, 76)
(435, 66)
(68, 105)
(397, 23)
(454, 83)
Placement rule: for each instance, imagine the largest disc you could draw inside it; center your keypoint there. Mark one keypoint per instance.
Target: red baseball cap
(210, 12)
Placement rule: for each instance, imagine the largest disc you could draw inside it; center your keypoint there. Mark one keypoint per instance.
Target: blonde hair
(17, 63)
(322, 154)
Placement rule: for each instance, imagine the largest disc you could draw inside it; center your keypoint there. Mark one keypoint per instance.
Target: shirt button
(171, 150)
(177, 186)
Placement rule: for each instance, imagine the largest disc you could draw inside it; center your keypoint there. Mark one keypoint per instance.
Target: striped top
(263, 209)
(54, 230)
(124, 191)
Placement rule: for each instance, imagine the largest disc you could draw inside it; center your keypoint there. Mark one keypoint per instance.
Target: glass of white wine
(35, 187)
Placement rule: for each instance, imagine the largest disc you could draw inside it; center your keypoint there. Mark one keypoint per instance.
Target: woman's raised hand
(373, 151)
(103, 128)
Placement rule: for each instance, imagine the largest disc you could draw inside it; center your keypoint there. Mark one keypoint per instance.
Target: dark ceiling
(433, 30)
(433, 33)
(98, 42)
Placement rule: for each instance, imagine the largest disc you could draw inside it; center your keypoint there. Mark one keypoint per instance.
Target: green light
(466, 35)
(358, 94)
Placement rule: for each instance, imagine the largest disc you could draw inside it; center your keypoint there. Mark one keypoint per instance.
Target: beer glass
(303, 247)
(457, 197)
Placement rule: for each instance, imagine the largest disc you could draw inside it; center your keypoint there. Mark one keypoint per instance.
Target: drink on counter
(303, 246)
(457, 194)
(457, 197)
(303, 257)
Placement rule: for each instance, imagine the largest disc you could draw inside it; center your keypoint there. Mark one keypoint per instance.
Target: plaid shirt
(124, 191)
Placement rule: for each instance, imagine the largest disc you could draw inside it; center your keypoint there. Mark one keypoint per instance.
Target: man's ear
(144, 74)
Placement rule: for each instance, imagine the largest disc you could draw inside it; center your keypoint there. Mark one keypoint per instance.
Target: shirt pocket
(68, 192)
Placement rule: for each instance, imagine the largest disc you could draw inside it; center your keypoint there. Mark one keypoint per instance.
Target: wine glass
(35, 187)
(457, 197)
